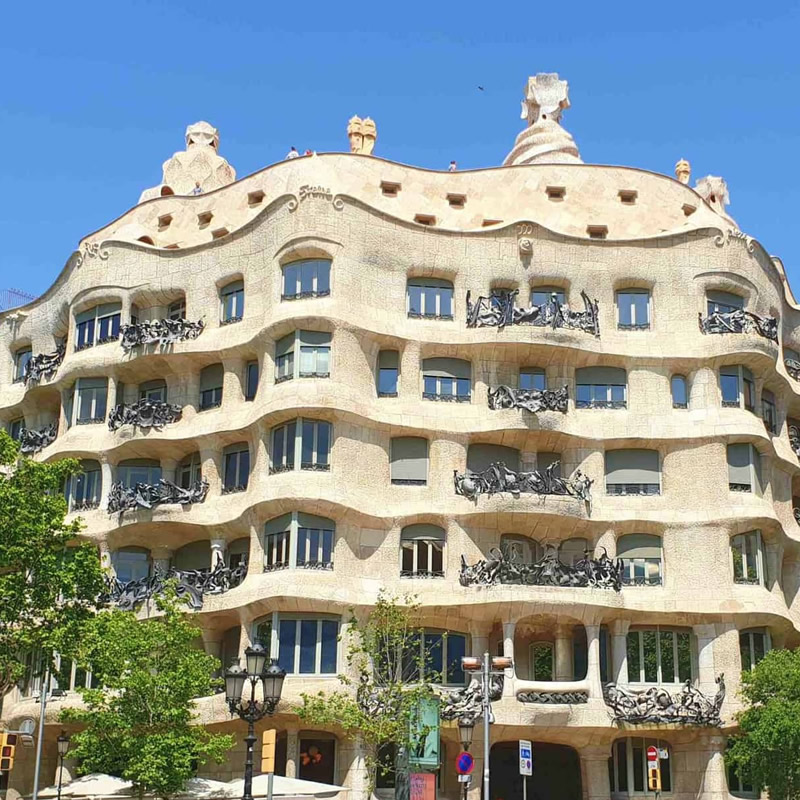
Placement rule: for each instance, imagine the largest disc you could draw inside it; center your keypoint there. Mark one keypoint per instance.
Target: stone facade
(511, 231)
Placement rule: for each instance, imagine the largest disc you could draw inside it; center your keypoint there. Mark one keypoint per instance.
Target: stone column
(211, 461)
(480, 642)
(593, 661)
(218, 548)
(292, 751)
(191, 394)
(773, 564)
(606, 544)
(352, 759)
(712, 773)
(106, 479)
(63, 422)
(594, 766)
(232, 382)
(619, 651)
(704, 636)
(410, 379)
(111, 396)
(563, 654)
(161, 558)
(508, 652)
(105, 555)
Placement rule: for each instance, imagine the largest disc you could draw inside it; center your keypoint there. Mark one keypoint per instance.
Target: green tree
(766, 751)
(49, 582)
(139, 726)
(387, 683)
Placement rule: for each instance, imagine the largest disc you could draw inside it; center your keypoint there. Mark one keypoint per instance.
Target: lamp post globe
(62, 743)
(235, 678)
(272, 678)
(466, 726)
(255, 657)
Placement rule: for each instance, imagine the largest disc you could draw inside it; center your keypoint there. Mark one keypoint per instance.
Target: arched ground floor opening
(556, 772)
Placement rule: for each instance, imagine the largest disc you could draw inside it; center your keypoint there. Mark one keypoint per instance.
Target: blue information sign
(464, 763)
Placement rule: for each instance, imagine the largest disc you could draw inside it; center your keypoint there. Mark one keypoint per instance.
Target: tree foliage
(49, 583)
(139, 725)
(386, 684)
(766, 751)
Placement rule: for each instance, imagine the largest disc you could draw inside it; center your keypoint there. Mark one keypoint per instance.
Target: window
(768, 412)
(193, 556)
(723, 302)
(15, 428)
(737, 387)
(131, 563)
(532, 378)
(744, 468)
(314, 356)
(409, 461)
(520, 549)
(641, 559)
(680, 396)
(627, 767)
(21, 359)
(546, 459)
(154, 391)
(237, 552)
(250, 380)
(177, 310)
(748, 563)
(632, 472)
(305, 440)
(541, 661)
(91, 400)
(440, 654)
(314, 537)
(232, 297)
(97, 325)
(659, 656)
(633, 306)
(237, 468)
(601, 387)
(84, 489)
(388, 371)
(481, 456)
(429, 298)
(211, 379)
(571, 551)
(753, 646)
(422, 551)
(740, 786)
(543, 295)
(305, 645)
(190, 471)
(446, 379)
(317, 758)
(138, 470)
(308, 278)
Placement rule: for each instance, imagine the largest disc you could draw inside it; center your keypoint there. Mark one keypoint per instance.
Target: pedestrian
(453, 167)
(308, 153)
(293, 153)
(197, 189)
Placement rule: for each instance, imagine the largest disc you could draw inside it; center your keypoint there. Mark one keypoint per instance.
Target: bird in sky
(481, 88)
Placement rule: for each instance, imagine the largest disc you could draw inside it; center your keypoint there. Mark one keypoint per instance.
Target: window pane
(307, 453)
(437, 554)
(446, 302)
(415, 299)
(323, 360)
(456, 648)
(679, 390)
(407, 557)
(667, 657)
(532, 380)
(618, 394)
(308, 645)
(650, 648)
(758, 647)
(429, 384)
(622, 765)
(323, 277)
(287, 637)
(290, 280)
(744, 651)
(307, 272)
(387, 381)
(730, 388)
(625, 302)
(684, 657)
(323, 442)
(463, 387)
(330, 635)
(638, 765)
(634, 664)
(584, 394)
(641, 307)
(327, 547)
(433, 657)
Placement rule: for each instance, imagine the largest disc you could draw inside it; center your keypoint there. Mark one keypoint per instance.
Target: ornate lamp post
(466, 727)
(62, 743)
(251, 710)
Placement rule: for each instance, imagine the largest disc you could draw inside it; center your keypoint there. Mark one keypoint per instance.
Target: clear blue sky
(96, 95)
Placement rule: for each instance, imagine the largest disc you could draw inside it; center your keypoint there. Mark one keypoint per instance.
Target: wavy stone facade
(698, 597)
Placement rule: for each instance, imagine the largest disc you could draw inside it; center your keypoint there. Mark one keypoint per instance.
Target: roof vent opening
(425, 219)
(146, 240)
(255, 198)
(390, 189)
(219, 233)
(164, 221)
(487, 222)
(556, 193)
(204, 219)
(628, 196)
(689, 209)
(457, 200)
(597, 231)
(166, 191)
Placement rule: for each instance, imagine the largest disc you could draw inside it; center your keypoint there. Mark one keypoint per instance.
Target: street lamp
(466, 726)
(251, 710)
(62, 743)
(486, 666)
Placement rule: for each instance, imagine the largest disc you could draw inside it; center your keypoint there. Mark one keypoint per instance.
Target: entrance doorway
(556, 772)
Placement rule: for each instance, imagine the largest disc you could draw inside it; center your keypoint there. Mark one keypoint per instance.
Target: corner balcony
(43, 365)
(122, 498)
(159, 332)
(739, 321)
(533, 400)
(33, 441)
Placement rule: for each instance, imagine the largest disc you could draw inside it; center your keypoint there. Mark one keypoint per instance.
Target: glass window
(134, 471)
(306, 278)
(634, 309)
(21, 359)
(232, 297)
(84, 334)
(315, 538)
(601, 387)
(91, 400)
(237, 468)
(276, 550)
(446, 379)
(747, 558)
(641, 559)
(15, 428)
(430, 298)
(282, 447)
(532, 378)
(284, 358)
(131, 563)
(744, 468)
(541, 661)
(481, 456)
(422, 551)
(632, 472)
(308, 645)
(768, 411)
(737, 387)
(84, 489)
(409, 460)
(313, 444)
(108, 328)
(520, 549)
(154, 391)
(314, 547)
(190, 471)
(543, 295)
(680, 397)
(177, 310)
(251, 380)
(659, 656)
(211, 382)
(627, 767)
(723, 302)
(315, 359)
(388, 372)
(314, 355)
(439, 653)
(753, 646)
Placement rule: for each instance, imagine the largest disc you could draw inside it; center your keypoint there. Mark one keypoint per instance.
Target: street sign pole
(525, 764)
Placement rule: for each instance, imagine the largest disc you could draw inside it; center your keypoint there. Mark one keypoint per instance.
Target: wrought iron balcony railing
(499, 310)
(633, 489)
(144, 414)
(599, 573)
(193, 584)
(123, 498)
(231, 320)
(446, 398)
(794, 439)
(499, 478)
(31, 441)
(239, 487)
(161, 332)
(306, 294)
(657, 705)
(533, 400)
(792, 367)
(90, 420)
(739, 321)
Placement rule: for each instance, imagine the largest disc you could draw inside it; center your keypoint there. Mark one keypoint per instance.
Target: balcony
(161, 332)
(31, 441)
(144, 414)
(498, 478)
(500, 309)
(553, 692)
(533, 400)
(123, 498)
(43, 365)
(739, 321)
(792, 367)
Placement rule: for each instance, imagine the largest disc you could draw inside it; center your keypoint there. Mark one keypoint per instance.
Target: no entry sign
(464, 763)
(652, 757)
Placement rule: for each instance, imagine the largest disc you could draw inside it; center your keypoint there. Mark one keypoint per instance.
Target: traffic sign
(525, 757)
(652, 757)
(464, 763)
